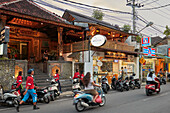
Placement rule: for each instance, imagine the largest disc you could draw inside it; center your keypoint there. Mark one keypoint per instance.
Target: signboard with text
(146, 41)
(149, 51)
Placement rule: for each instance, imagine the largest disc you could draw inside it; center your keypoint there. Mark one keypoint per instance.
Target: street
(133, 101)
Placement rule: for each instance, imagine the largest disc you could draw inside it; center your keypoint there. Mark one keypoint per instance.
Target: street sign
(4, 35)
(146, 41)
(142, 60)
(149, 51)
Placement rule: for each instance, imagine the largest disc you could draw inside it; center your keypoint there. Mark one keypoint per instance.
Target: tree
(126, 28)
(167, 31)
(98, 14)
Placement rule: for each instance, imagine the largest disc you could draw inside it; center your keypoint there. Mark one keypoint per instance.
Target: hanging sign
(168, 52)
(146, 41)
(4, 35)
(142, 60)
(98, 40)
(149, 51)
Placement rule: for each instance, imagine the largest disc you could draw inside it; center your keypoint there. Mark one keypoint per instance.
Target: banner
(149, 51)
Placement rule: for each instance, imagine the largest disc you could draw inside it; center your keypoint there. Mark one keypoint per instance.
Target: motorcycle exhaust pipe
(84, 104)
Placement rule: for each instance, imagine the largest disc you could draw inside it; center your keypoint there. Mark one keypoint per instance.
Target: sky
(160, 17)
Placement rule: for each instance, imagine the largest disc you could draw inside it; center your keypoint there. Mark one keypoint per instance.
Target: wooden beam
(39, 19)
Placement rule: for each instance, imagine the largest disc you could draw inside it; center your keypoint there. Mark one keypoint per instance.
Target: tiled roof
(155, 40)
(28, 7)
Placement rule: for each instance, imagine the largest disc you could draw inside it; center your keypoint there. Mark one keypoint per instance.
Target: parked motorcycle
(137, 82)
(131, 82)
(168, 77)
(160, 80)
(105, 85)
(113, 84)
(83, 100)
(53, 89)
(150, 88)
(43, 95)
(126, 84)
(9, 97)
(119, 84)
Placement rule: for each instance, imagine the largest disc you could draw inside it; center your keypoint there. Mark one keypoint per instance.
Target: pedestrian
(122, 73)
(29, 91)
(56, 77)
(125, 71)
(19, 82)
(76, 75)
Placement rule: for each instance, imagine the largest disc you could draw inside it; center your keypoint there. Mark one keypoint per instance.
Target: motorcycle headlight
(76, 95)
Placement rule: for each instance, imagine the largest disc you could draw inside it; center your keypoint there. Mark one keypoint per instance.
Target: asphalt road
(133, 101)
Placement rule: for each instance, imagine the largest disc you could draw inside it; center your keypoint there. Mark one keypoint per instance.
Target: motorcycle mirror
(47, 80)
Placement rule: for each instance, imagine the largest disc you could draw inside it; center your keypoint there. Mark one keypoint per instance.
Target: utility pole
(133, 4)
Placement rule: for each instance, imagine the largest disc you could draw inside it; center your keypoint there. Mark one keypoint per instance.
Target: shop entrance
(18, 50)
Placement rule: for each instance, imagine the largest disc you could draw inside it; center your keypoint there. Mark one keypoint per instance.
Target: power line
(151, 2)
(156, 7)
(116, 11)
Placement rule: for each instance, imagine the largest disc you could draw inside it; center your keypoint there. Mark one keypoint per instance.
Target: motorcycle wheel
(159, 91)
(127, 88)
(79, 107)
(103, 102)
(113, 87)
(147, 92)
(15, 102)
(105, 90)
(121, 89)
(133, 86)
(52, 96)
(46, 99)
(138, 86)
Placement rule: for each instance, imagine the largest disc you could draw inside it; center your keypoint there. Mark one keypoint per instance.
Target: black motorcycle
(119, 84)
(105, 85)
(131, 82)
(126, 84)
(113, 84)
(43, 95)
(137, 82)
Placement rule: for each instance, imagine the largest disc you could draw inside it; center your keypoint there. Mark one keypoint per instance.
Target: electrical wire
(156, 7)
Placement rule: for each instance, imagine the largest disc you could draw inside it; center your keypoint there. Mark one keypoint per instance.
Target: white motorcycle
(9, 98)
(53, 89)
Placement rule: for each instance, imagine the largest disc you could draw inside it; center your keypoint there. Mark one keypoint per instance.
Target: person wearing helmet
(151, 79)
(29, 91)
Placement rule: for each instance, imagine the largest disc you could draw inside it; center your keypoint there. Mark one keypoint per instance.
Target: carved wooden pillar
(60, 41)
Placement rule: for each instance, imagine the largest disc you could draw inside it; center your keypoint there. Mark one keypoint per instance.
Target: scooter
(105, 85)
(113, 84)
(53, 89)
(150, 88)
(126, 84)
(76, 85)
(168, 77)
(43, 95)
(9, 97)
(131, 82)
(160, 80)
(83, 100)
(137, 82)
(119, 84)
(163, 78)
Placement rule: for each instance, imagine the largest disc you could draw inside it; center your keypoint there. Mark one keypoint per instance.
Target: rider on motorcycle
(151, 79)
(89, 83)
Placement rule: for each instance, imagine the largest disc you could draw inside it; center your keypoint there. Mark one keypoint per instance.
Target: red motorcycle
(150, 88)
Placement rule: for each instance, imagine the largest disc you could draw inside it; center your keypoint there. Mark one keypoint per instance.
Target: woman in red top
(76, 75)
(56, 77)
(19, 82)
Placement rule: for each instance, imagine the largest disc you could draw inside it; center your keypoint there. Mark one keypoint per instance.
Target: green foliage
(126, 28)
(138, 38)
(167, 31)
(98, 14)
